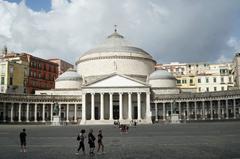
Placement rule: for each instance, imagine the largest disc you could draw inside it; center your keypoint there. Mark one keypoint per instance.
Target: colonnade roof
(192, 96)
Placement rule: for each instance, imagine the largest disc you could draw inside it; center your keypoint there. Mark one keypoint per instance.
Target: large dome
(116, 43)
(115, 55)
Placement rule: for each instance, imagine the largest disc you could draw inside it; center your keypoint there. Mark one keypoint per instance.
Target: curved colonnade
(222, 105)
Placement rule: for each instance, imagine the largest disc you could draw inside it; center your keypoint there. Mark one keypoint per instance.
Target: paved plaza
(195, 140)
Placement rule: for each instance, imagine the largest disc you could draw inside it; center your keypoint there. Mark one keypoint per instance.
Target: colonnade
(20, 112)
(197, 110)
(121, 106)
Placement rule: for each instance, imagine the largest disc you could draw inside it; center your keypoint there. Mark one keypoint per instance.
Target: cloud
(234, 43)
(185, 31)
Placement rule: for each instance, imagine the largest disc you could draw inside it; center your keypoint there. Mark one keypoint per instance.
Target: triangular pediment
(117, 81)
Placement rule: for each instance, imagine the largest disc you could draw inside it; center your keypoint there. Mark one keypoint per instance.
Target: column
(164, 118)
(195, 110)
(67, 120)
(19, 112)
(11, 112)
(111, 106)
(92, 106)
(83, 109)
(51, 112)
(43, 112)
(120, 106)
(211, 110)
(35, 112)
(156, 112)
(139, 105)
(27, 113)
(219, 111)
(148, 107)
(4, 112)
(234, 108)
(171, 108)
(102, 106)
(179, 110)
(75, 112)
(187, 110)
(60, 109)
(227, 115)
(130, 106)
(203, 111)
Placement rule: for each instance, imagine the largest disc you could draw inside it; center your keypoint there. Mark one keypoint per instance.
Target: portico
(126, 100)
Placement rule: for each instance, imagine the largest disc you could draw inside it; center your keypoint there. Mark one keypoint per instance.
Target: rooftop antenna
(115, 28)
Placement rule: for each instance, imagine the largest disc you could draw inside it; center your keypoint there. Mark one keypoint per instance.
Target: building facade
(118, 81)
(202, 77)
(42, 74)
(13, 77)
(63, 66)
(31, 72)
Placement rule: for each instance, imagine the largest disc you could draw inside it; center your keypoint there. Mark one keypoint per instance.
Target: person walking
(100, 143)
(23, 136)
(91, 142)
(81, 138)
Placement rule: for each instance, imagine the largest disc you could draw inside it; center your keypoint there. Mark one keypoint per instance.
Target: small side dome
(162, 79)
(69, 80)
(161, 74)
(70, 74)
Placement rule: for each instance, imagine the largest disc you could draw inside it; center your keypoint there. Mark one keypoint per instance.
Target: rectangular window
(207, 80)
(215, 88)
(191, 80)
(2, 80)
(11, 81)
(222, 88)
(222, 80)
(3, 69)
(178, 81)
(230, 79)
(199, 80)
(184, 81)
(199, 89)
(214, 79)
(207, 89)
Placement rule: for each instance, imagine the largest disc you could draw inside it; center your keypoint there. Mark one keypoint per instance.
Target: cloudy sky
(177, 30)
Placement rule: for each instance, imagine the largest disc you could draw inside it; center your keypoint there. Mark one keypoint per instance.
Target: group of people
(81, 137)
(91, 141)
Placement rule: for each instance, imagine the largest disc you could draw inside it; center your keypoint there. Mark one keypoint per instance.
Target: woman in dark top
(100, 143)
(91, 141)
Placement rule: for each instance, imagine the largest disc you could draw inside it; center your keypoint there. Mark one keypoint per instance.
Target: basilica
(118, 81)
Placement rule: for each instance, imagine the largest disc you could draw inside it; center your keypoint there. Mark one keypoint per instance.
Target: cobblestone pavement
(213, 140)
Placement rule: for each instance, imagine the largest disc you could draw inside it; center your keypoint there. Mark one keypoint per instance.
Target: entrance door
(135, 112)
(96, 113)
(115, 112)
